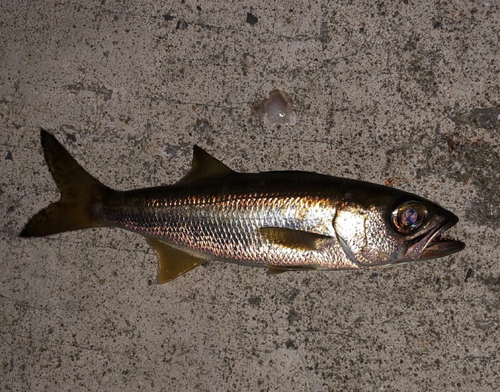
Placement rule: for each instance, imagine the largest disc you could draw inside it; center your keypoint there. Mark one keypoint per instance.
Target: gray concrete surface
(399, 92)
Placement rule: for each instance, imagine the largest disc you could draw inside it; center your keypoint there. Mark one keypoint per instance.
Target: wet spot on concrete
(251, 19)
(277, 108)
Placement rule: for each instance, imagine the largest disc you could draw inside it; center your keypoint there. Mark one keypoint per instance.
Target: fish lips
(431, 244)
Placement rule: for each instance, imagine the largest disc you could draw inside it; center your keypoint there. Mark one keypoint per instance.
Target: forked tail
(79, 193)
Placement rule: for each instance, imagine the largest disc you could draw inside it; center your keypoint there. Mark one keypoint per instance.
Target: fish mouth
(432, 244)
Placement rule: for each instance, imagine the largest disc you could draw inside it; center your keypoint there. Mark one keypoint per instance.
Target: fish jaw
(432, 244)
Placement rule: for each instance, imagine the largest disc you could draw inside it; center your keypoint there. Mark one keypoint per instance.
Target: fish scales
(225, 225)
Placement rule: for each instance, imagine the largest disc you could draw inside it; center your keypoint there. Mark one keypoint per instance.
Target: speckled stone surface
(405, 93)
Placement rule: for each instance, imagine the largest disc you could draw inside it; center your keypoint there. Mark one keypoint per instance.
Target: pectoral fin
(295, 239)
(172, 262)
(205, 166)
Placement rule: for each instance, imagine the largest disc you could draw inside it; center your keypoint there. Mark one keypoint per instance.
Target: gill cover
(365, 237)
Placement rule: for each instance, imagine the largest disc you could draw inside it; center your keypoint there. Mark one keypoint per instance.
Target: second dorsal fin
(205, 166)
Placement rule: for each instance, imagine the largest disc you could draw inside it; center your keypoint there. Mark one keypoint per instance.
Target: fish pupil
(409, 216)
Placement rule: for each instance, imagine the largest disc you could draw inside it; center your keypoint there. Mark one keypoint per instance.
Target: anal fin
(172, 262)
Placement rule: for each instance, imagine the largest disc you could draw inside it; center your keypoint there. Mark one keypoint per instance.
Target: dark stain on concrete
(411, 44)
(293, 316)
(107, 93)
(255, 300)
(75, 88)
(290, 344)
(486, 118)
(478, 164)
(252, 19)
(324, 33)
(172, 150)
(470, 162)
(9, 156)
(492, 282)
(291, 295)
(423, 67)
(477, 160)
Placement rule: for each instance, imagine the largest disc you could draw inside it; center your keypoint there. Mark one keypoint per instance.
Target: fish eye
(409, 216)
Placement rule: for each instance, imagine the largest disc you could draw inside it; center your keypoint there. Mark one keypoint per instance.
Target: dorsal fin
(205, 166)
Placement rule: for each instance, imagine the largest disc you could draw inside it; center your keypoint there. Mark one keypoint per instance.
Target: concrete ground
(405, 93)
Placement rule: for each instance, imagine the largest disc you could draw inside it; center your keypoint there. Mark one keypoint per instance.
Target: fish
(281, 220)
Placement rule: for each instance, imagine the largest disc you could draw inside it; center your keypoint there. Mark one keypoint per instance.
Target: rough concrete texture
(399, 92)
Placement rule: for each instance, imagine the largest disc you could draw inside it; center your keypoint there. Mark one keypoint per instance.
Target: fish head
(385, 226)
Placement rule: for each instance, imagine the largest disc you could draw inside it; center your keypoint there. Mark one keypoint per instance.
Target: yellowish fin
(172, 262)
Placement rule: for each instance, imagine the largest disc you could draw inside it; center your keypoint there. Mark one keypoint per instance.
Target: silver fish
(279, 220)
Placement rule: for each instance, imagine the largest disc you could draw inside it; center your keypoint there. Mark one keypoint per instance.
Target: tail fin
(79, 192)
